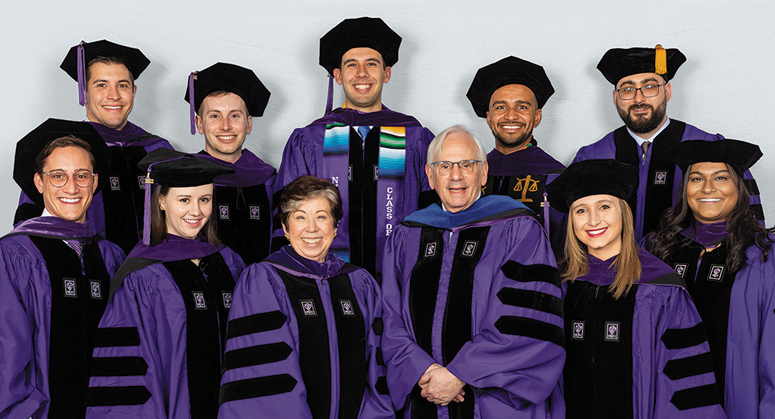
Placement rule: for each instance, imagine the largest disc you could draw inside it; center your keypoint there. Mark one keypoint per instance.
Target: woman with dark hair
(159, 346)
(305, 326)
(712, 239)
(635, 343)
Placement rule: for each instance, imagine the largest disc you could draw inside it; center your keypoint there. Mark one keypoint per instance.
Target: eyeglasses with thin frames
(649, 90)
(445, 167)
(59, 178)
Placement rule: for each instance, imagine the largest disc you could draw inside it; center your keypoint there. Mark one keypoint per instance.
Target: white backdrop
(723, 87)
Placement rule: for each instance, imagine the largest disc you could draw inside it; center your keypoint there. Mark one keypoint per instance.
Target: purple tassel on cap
(147, 209)
(330, 99)
(191, 78)
(81, 70)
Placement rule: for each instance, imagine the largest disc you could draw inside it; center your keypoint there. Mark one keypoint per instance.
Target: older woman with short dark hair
(304, 327)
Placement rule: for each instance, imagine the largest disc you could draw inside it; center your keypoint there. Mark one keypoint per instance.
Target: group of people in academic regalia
(383, 271)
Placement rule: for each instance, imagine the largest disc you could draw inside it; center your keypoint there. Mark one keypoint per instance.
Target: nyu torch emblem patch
(114, 184)
(347, 307)
(612, 331)
(660, 178)
(578, 330)
(96, 289)
(226, 299)
(141, 182)
(308, 308)
(70, 290)
(716, 273)
(430, 250)
(469, 248)
(223, 212)
(255, 212)
(680, 269)
(199, 300)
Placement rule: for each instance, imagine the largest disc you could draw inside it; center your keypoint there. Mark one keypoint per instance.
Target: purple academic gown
(386, 175)
(523, 175)
(303, 342)
(160, 341)
(660, 179)
(243, 203)
(645, 355)
(38, 311)
(478, 292)
(738, 309)
(119, 216)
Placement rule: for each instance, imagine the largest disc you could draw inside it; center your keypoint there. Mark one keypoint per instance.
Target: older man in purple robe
(375, 156)
(106, 74)
(472, 303)
(55, 273)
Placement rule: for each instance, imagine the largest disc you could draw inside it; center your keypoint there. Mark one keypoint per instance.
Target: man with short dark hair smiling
(511, 94)
(641, 79)
(106, 74)
(375, 156)
(224, 99)
(472, 301)
(55, 273)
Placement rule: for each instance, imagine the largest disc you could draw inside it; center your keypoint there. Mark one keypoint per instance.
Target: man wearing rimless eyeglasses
(641, 79)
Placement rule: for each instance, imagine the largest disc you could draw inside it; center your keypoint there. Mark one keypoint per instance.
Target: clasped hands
(440, 386)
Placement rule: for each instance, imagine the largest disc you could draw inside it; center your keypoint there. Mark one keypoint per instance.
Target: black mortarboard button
(356, 33)
(618, 63)
(738, 154)
(592, 177)
(28, 148)
(510, 70)
(224, 77)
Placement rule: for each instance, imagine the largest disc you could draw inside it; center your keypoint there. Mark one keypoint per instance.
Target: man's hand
(440, 386)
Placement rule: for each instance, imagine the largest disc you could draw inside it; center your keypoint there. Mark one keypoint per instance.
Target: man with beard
(510, 93)
(641, 77)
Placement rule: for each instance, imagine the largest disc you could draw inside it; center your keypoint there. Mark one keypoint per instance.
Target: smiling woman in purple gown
(636, 347)
(304, 327)
(159, 345)
(712, 239)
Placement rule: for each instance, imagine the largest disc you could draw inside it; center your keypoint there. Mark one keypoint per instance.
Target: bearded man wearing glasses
(641, 79)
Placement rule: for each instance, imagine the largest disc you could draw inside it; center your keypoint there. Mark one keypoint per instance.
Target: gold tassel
(660, 60)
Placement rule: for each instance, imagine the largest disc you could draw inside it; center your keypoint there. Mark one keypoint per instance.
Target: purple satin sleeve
(664, 308)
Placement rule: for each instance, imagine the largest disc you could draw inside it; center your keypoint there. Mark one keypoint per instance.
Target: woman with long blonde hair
(636, 347)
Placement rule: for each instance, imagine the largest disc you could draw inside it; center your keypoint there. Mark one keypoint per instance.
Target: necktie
(363, 130)
(77, 246)
(645, 147)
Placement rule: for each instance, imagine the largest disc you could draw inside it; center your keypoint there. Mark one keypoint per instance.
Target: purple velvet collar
(124, 136)
(289, 261)
(54, 227)
(353, 117)
(249, 170)
(175, 248)
(707, 234)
